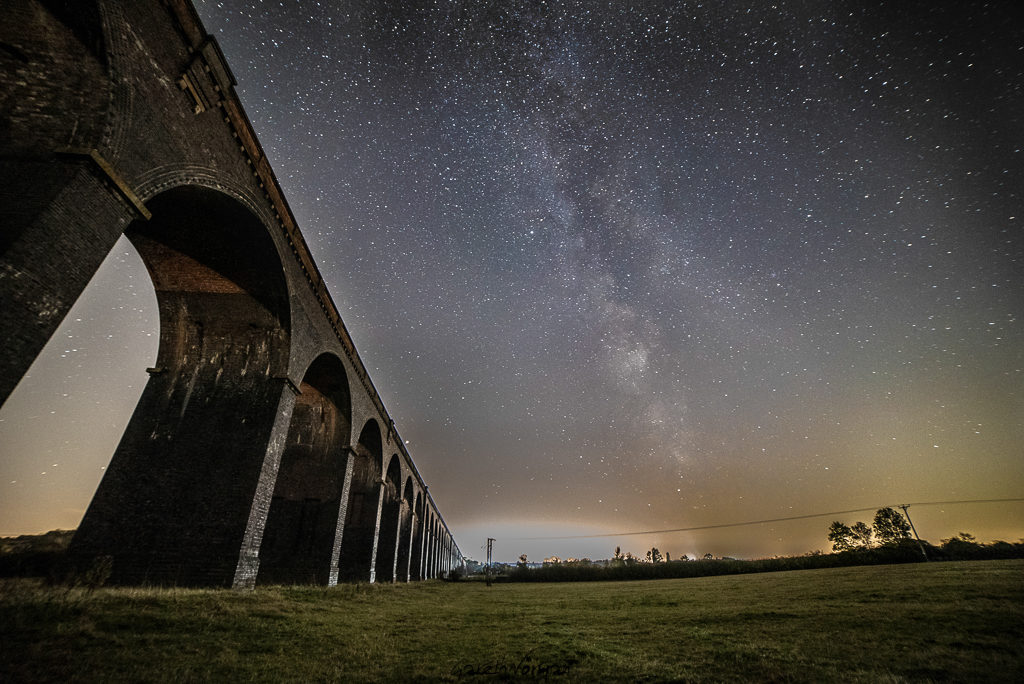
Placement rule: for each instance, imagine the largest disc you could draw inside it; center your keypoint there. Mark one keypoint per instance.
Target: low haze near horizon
(619, 268)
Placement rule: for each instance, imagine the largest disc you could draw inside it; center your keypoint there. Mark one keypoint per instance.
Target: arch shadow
(355, 562)
(405, 531)
(299, 537)
(174, 505)
(416, 560)
(390, 514)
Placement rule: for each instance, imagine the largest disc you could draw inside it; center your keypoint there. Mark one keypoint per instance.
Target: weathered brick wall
(54, 93)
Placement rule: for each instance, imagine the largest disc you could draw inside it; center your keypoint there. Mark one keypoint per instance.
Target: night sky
(628, 266)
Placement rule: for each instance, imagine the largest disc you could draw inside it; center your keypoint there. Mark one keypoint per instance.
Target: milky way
(622, 266)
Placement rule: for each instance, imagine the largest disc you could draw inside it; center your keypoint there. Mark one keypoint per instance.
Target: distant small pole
(490, 543)
(919, 544)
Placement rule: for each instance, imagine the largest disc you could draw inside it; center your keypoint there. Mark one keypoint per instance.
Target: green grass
(937, 621)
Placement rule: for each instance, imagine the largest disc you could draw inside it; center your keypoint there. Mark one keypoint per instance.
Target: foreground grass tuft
(938, 621)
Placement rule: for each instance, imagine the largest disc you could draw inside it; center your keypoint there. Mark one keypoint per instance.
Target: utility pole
(919, 544)
(490, 544)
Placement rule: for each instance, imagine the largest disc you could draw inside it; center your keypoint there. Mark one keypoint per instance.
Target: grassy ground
(938, 621)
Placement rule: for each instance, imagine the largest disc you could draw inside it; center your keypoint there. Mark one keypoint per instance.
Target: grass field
(938, 621)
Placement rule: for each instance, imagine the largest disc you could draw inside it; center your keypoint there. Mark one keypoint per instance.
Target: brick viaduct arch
(260, 449)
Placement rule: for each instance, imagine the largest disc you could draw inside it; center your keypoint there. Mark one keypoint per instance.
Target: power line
(757, 522)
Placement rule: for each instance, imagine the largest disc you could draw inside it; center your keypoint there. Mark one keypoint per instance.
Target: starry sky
(628, 266)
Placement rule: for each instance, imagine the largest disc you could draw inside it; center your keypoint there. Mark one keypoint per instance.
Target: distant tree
(629, 559)
(841, 536)
(861, 534)
(654, 555)
(522, 562)
(618, 554)
(963, 545)
(708, 556)
(890, 526)
(668, 557)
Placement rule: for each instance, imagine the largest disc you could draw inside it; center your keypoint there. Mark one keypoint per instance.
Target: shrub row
(904, 551)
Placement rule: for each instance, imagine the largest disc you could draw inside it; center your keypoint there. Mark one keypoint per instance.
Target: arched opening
(416, 562)
(174, 505)
(360, 533)
(425, 545)
(404, 534)
(444, 553)
(299, 537)
(440, 551)
(390, 512)
(437, 547)
(428, 535)
(432, 548)
(64, 419)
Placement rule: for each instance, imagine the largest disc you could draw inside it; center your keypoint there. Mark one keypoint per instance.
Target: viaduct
(260, 451)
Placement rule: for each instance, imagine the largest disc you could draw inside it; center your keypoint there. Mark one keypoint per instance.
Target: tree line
(887, 540)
